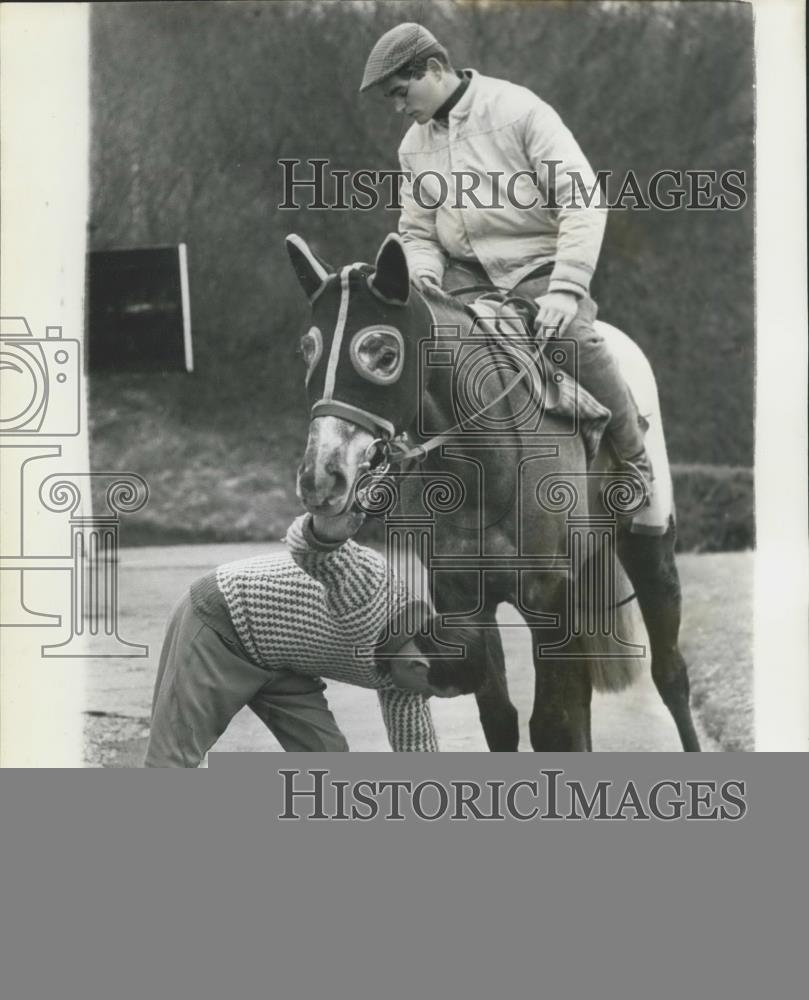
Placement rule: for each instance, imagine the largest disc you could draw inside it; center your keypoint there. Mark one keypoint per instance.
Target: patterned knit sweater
(317, 613)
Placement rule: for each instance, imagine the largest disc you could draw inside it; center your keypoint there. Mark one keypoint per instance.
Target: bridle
(385, 452)
(393, 451)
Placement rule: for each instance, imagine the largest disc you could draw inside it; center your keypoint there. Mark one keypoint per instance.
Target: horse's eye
(311, 349)
(377, 353)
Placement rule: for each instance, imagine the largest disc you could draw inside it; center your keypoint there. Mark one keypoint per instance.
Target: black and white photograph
(409, 392)
(385, 383)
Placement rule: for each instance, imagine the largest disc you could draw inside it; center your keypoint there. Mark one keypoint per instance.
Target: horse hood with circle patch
(361, 354)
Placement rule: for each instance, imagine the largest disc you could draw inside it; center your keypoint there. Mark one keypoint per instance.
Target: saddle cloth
(568, 399)
(639, 377)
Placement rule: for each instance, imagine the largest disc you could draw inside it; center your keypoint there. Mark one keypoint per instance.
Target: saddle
(509, 322)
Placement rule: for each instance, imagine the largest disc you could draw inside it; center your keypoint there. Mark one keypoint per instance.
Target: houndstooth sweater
(319, 613)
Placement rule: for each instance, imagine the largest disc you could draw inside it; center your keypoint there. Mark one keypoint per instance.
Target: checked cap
(395, 49)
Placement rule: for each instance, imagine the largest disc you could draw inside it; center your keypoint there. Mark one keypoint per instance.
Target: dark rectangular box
(138, 313)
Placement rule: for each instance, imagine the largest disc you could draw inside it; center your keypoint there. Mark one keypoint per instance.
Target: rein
(395, 450)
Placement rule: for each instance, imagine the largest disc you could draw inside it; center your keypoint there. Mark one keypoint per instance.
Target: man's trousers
(593, 366)
(202, 683)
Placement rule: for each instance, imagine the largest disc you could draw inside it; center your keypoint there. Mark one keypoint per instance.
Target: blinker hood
(345, 311)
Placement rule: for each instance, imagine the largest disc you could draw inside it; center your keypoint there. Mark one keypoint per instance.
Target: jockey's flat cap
(395, 49)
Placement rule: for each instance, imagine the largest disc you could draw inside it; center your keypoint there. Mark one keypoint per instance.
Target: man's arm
(354, 577)
(408, 721)
(417, 227)
(554, 154)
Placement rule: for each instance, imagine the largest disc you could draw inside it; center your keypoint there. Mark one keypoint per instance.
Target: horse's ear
(391, 277)
(312, 272)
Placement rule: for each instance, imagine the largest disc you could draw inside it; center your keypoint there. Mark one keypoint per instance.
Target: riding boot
(599, 374)
(625, 431)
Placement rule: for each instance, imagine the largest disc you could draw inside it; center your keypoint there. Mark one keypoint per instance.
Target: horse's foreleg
(483, 659)
(561, 717)
(497, 714)
(562, 692)
(650, 565)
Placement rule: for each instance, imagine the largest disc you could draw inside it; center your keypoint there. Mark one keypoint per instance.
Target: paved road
(118, 691)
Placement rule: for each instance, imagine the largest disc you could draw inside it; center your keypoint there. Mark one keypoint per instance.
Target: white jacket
(498, 126)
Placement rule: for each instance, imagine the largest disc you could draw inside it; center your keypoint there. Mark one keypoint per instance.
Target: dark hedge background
(193, 105)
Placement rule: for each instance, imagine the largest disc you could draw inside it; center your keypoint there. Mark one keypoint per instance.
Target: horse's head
(361, 355)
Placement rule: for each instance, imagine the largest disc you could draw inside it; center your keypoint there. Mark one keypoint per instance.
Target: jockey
(488, 196)
(264, 631)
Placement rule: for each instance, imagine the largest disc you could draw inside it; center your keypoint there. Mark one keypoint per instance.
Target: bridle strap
(393, 450)
(364, 418)
(420, 452)
(456, 293)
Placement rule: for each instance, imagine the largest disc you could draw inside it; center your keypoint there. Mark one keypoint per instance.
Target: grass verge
(220, 460)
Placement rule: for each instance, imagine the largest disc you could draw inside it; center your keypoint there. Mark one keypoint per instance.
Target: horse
(525, 521)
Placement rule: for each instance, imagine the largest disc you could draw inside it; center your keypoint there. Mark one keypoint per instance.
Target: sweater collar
(441, 117)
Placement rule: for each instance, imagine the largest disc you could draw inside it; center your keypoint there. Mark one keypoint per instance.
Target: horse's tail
(615, 673)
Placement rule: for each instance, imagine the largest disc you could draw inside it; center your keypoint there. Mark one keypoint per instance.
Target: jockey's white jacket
(499, 127)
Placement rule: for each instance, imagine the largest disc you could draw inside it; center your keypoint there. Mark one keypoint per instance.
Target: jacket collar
(442, 115)
(464, 105)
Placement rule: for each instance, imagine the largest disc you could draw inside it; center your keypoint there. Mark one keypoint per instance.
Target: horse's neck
(448, 323)
(484, 476)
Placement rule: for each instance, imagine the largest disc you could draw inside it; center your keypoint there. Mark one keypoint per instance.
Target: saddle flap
(563, 396)
(507, 327)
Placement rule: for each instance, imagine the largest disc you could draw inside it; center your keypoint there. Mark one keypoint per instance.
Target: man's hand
(556, 310)
(337, 528)
(423, 278)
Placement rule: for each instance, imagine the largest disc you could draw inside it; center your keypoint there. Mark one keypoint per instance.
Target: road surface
(118, 691)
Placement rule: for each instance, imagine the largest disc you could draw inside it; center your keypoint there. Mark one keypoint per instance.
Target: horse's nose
(321, 485)
(337, 480)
